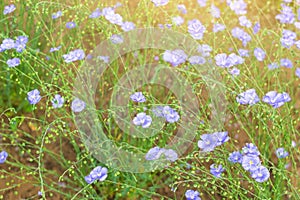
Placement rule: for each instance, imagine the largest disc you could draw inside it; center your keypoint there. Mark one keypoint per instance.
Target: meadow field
(150, 99)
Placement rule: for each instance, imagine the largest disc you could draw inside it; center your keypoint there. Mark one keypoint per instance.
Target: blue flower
(208, 142)
(138, 97)
(197, 60)
(20, 43)
(3, 156)
(202, 3)
(13, 62)
(234, 71)
(238, 6)
(154, 153)
(243, 52)
(235, 157)
(256, 28)
(259, 54)
(281, 153)
(57, 101)
(77, 105)
(218, 27)
(248, 97)
(98, 173)
(170, 114)
(276, 99)
(261, 174)
(116, 39)
(8, 44)
(250, 162)
(57, 15)
(240, 34)
(215, 11)
(234, 59)
(96, 13)
(34, 96)
(112, 17)
(196, 29)
(250, 150)
(175, 57)
(182, 8)
(245, 22)
(105, 59)
(297, 44)
(222, 137)
(70, 25)
(53, 49)
(160, 2)
(273, 66)
(286, 16)
(205, 50)
(285, 62)
(192, 195)
(178, 20)
(9, 9)
(297, 72)
(77, 54)
(170, 154)
(288, 38)
(222, 60)
(142, 119)
(216, 170)
(158, 111)
(127, 26)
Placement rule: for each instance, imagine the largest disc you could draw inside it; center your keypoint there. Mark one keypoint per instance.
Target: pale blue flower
(138, 97)
(9, 9)
(34, 96)
(261, 174)
(13, 62)
(77, 105)
(281, 153)
(196, 29)
(216, 170)
(142, 120)
(57, 101)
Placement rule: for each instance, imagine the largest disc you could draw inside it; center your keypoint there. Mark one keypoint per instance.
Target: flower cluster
(19, 44)
(287, 15)
(72, 56)
(276, 99)
(238, 6)
(155, 153)
(242, 35)
(209, 142)
(166, 112)
(175, 57)
(249, 97)
(98, 173)
(249, 159)
(222, 60)
(288, 38)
